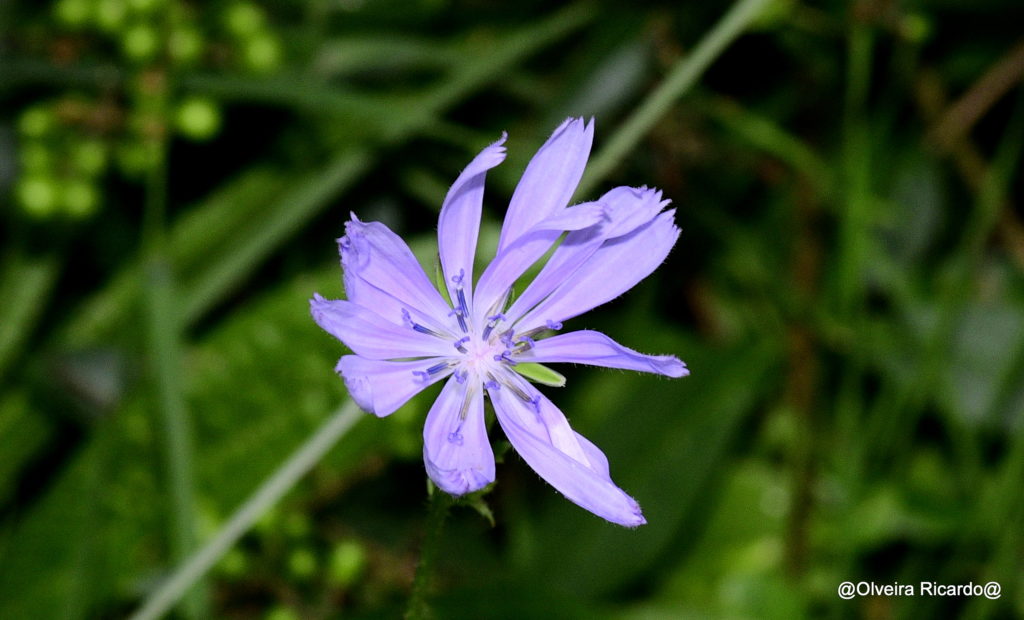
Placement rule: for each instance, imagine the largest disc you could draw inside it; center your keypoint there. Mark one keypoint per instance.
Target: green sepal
(477, 502)
(538, 373)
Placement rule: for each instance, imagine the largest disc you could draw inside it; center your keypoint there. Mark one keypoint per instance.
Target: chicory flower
(405, 335)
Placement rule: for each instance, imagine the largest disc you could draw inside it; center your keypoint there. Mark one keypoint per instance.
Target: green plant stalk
(479, 69)
(676, 84)
(418, 607)
(265, 497)
(163, 336)
(855, 203)
(164, 326)
(853, 231)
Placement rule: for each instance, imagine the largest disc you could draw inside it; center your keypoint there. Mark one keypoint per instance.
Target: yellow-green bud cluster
(61, 167)
(67, 144)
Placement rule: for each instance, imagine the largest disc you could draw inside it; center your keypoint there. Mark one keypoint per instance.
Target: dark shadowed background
(848, 293)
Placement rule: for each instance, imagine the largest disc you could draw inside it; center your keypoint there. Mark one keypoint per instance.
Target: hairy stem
(418, 608)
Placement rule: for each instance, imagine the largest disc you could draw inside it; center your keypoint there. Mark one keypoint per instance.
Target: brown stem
(958, 118)
(931, 100)
(800, 386)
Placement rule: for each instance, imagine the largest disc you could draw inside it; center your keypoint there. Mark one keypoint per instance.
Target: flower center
(480, 353)
(484, 352)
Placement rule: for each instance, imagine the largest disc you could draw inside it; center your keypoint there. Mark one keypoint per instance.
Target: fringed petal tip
(578, 122)
(671, 366)
(492, 155)
(319, 306)
(651, 193)
(353, 219)
(632, 207)
(626, 513)
(666, 365)
(316, 309)
(457, 482)
(623, 511)
(456, 452)
(634, 520)
(549, 181)
(571, 464)
(359, 389)
(351, 225)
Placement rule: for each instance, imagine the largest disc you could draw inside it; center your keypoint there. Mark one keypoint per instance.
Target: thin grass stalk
(270, 491)
(677, 83)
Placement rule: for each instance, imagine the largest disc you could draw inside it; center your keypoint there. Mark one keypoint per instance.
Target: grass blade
(678, 82)
(268, 494)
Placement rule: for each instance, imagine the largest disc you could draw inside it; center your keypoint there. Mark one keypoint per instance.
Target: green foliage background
(848, 293)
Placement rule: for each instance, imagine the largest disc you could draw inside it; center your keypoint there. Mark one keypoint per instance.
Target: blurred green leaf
(735, 570)
(667, 442)
(919, 198)
(25, 285)
(23, 431)
(257, 385)
(988, 341)
(382, 52)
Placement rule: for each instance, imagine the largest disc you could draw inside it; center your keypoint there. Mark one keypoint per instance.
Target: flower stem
(418, 608)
